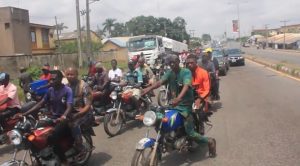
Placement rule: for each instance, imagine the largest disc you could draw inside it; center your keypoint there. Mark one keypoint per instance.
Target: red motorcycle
(36, 142)
(8, 122)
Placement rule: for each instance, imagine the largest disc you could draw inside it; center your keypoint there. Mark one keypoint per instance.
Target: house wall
(14, 31)
(39, 43)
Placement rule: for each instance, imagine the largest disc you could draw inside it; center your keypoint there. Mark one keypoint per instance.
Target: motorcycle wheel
(88, 143)
(110, 126)
(143, 157)
(162, 98)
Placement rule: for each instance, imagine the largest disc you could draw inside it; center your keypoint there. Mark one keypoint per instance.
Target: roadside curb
(293, 72)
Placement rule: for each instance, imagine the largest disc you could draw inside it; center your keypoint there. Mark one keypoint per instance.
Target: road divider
(281, 67)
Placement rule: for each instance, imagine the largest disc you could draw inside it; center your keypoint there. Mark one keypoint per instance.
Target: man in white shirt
(115, 74)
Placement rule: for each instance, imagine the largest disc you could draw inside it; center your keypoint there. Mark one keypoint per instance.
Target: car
(235, 57)
(222, 60)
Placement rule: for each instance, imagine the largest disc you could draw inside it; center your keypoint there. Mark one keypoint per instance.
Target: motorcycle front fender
(145, 143)
(111, 110)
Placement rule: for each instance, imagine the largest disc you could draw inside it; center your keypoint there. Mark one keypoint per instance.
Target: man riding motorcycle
(200, 81)
(179, 80)
(9, 96)
(134, 79)
(101, 81)
(59, 100)
(82, 102)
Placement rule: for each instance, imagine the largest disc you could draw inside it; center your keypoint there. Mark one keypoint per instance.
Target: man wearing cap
(9, 96)
(46, 73)
(180, 80)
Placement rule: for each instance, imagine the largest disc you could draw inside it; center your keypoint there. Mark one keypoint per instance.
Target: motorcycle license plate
(233, 60)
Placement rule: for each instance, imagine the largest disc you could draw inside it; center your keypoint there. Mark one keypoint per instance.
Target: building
(14, 32)
(295, 28)
(42, 41)
(20, 37)
(71, 37)
(264, 32)
(115, 48)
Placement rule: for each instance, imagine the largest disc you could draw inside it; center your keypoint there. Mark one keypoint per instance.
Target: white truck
(153, 47)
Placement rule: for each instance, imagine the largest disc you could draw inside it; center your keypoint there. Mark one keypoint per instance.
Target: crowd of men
(69, 99)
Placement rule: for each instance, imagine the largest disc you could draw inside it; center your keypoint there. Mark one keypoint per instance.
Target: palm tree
(60, 27)
(108, 24)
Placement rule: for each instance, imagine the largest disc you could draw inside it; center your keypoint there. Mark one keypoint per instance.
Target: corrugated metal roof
(289, 38)
(119, 41)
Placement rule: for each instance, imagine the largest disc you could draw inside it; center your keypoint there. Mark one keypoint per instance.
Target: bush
(35, 72)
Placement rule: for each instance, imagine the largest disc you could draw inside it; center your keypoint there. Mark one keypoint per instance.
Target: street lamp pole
(239, 30)
(267, 34)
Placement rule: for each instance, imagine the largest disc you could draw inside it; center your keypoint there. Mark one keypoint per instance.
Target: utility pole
(284, 29)
(192, 32)
(57, 34)
(78, 35)
(88, 32)
(267, 34)
(58, 40)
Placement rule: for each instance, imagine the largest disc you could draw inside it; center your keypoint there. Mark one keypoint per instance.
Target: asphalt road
(278, 56)
(256, 124)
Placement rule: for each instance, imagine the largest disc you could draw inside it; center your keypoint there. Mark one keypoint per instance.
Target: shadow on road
(99, 159)
(186, 158)
(216, 106)
(6, 149)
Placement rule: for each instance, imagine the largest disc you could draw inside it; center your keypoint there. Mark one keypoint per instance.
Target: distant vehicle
(235, 57)
(222, 59)
(153, 47)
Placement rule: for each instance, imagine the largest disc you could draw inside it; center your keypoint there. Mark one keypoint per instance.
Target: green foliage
(195, 42)
(35, 72)
(206, 37)
(148, 25)
(71, 47)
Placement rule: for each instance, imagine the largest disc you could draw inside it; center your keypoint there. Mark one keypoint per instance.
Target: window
(45, 38)
(33, 37)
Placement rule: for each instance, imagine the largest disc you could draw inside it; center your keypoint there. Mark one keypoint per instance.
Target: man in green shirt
(180, 80)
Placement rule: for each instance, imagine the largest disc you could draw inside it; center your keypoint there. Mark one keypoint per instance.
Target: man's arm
(88, 98)
(69, 103)
(206, 85)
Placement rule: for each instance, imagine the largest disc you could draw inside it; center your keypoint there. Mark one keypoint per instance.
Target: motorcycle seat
(27, 106)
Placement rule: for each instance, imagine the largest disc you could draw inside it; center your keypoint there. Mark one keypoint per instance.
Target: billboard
(235, 26)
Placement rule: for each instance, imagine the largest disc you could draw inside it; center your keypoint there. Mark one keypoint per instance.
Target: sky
(203, 16)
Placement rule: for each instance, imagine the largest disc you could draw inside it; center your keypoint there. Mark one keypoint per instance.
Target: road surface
(256, 124)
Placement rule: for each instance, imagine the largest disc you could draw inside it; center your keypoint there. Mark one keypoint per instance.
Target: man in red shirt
(200, 81)
(46, 73)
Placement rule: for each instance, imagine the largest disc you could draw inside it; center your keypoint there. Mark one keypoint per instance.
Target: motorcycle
(9, 122)
(35, 143)
(169, 125)
(122, 111)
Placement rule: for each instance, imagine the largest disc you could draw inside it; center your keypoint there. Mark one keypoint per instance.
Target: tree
(118, 30)
(108, 25)
(206, 37)
(60, 27)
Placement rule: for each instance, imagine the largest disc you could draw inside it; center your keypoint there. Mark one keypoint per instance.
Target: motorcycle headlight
(15, 137)
(113, 95)
(28, 96)
(149, 118)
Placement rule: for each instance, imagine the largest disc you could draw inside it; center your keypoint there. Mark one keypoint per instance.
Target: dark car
(222, 60)
(235, 57)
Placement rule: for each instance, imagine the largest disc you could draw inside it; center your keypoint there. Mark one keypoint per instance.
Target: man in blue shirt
(59, 100)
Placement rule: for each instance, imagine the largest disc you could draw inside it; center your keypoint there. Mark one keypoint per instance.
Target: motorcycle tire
(108, 121)
(88, 143)
(162, 99)
(139, 160)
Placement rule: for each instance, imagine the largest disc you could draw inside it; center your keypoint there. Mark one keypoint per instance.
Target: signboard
(235, 26)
